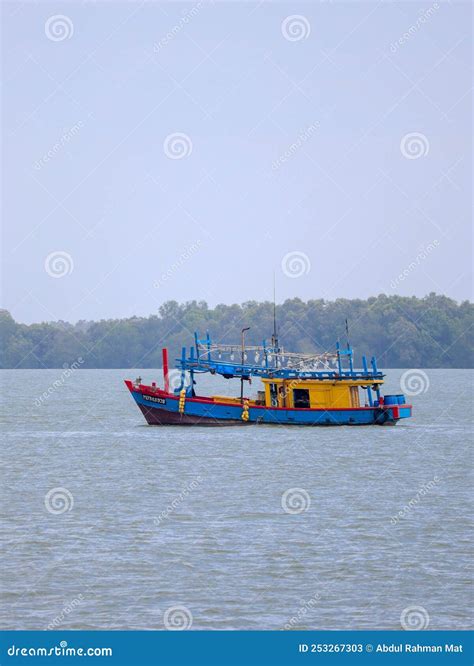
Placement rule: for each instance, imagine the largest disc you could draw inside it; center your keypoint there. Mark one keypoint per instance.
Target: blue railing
(200, 360)
(239, 370)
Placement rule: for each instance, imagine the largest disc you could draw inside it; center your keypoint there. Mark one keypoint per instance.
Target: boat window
(355, 396)
(301, 397)
(273, 395)
(281, 396)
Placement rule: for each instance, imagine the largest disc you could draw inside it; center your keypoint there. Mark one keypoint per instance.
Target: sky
(190, 151)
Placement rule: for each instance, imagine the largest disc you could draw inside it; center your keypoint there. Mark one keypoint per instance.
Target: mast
(274, 336)
(349, 349)
(244, 330)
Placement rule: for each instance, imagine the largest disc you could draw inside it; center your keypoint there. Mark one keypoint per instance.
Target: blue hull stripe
(224, 412)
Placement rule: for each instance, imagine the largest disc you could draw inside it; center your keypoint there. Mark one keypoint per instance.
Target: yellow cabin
(313, 394)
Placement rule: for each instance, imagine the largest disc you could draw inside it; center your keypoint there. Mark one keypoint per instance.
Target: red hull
(162, 417)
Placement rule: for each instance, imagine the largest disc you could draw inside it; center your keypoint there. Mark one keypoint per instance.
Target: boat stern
(393, 408)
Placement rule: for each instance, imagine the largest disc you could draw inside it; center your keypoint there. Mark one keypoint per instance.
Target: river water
(110, 523)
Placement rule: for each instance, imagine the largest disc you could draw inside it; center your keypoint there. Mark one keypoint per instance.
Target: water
(224, 548)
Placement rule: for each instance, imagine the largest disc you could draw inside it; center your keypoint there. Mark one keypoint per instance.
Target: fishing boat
(295, 389)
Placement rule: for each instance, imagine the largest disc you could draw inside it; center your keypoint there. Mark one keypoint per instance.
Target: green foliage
(430, 332)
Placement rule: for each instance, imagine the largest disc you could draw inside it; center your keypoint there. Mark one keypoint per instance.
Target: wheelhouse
(316, 394)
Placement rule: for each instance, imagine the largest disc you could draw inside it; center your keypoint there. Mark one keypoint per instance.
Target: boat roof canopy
(268, 362)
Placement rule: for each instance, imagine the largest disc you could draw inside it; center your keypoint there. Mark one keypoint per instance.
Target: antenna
(274, 337)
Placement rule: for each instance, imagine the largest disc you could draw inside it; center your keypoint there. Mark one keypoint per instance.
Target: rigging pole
(274, 336)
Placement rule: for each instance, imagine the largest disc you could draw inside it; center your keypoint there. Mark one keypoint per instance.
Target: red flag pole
(166, 378)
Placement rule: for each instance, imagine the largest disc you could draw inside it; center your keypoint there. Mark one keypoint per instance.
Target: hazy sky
(157, 151)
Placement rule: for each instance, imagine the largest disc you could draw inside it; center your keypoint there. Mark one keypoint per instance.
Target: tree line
(404, 332)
